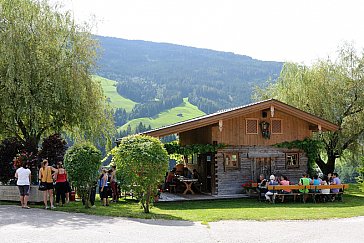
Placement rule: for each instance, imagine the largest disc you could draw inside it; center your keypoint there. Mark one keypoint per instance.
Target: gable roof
(239, 111)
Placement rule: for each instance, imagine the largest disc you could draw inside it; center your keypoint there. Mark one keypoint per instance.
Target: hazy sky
(279, 30)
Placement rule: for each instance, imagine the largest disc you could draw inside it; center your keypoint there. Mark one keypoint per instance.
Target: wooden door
(262, 166)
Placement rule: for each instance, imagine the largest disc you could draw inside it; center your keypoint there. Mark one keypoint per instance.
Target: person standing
(103, 188)
(304, 181)
(23, 175)
(114, 185)
(45, 177)
(61, 186)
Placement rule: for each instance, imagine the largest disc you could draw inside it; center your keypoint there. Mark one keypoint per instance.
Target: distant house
(249, 132)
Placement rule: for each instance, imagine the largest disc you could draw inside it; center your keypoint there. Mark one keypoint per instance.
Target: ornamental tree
(9, 148)
(332, 90)
(45, 75)
(143, 161)
(53, 149)
(82, 162)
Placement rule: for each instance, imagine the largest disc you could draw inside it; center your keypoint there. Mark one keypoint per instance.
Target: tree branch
(352, 139)
(22, 127)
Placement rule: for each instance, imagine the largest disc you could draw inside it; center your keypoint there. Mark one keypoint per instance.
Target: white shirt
(23, 176)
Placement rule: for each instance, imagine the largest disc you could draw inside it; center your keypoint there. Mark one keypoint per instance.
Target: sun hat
(272, 177)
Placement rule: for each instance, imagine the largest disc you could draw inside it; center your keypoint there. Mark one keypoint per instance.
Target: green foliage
(332, 90)
(311, 147)
(142, 162)
(82, 162)
(45, 75)
(175, 148)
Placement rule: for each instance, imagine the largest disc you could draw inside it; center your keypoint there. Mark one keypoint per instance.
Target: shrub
(9, 148)
(143, 162)
(82, 162)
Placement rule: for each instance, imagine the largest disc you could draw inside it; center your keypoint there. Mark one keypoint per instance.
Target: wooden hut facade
(249, 133)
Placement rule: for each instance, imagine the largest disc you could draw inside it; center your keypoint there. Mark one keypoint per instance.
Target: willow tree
(45, 74)
(332, 90)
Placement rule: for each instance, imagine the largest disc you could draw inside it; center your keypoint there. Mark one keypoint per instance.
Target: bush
(82, 162)
(9, 148)
(143, 161)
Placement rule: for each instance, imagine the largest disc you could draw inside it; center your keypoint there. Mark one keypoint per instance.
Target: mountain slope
(212, 80)
(183, 112)
(116, 100)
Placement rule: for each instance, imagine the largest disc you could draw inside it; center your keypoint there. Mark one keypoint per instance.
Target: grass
(116, 100)
(168, 117)
(231, 209)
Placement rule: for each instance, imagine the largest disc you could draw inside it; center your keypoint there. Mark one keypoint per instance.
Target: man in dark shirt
(262, 186)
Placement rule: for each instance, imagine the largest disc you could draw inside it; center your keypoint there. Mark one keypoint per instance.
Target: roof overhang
(213, 119)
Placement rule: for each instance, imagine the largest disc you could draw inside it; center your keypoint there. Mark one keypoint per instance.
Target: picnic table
(307, 190)
(188, 183)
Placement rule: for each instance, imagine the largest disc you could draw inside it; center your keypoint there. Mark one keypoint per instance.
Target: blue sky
(279, 30)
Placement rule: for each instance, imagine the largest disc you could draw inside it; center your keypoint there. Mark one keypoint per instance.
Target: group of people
(108, 187)
(330, 179)
(52, 178)
(172, 176)
(49, 177)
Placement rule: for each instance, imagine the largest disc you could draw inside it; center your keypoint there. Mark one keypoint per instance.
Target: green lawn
(117, 101)
(168, 117)
(232, 209)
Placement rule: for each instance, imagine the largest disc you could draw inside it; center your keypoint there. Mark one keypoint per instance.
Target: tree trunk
(329, 166)
(147, 201)
(31, 144)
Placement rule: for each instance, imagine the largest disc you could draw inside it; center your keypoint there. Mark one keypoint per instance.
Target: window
(251, 126)
(192, 159)
(276, 126)
(292, 160)
(231, 160)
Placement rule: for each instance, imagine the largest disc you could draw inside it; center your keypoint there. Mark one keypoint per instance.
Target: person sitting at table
(197, 185)
(187, 173)
(335, 181)
(262, 185)
(196, 175)
(170, 179)
(284, 182)
(272, 182)
(325, 192)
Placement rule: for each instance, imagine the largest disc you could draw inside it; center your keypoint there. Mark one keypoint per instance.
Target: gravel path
(38, 225)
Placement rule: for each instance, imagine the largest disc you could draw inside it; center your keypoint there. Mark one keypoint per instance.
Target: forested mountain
(158, 75)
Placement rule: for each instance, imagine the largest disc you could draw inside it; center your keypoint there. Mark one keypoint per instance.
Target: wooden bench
(277, 190)
(313, 191)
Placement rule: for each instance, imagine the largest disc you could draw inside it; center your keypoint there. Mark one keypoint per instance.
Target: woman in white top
(23, 175)
(325, 192)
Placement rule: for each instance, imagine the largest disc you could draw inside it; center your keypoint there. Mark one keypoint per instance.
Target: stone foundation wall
(11, 193)
(230, 180)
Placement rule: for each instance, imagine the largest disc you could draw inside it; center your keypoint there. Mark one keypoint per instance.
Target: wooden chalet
(249, 132)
